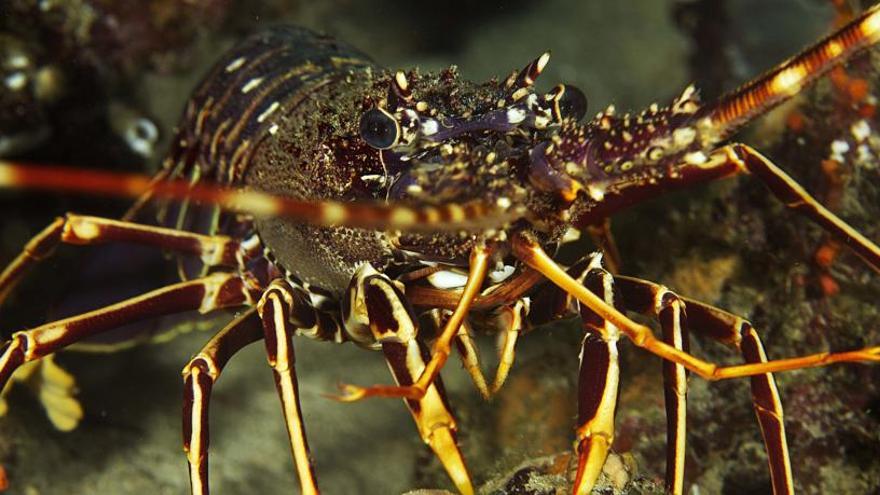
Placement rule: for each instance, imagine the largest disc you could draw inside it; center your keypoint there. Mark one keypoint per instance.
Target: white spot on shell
(515, 115)
(250, 85)
(373, 178)
(683, 137)
(266, 113)
(571, 234)
(430, 127)
(235, 64)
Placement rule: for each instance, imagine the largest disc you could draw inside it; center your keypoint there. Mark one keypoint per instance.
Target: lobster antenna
(788, 78)
(369, 215)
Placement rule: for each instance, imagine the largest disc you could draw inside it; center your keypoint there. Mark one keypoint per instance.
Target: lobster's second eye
(569, 102)
(379, 129)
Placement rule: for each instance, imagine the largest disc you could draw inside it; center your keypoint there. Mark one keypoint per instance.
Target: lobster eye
(569, 102)
(379, 129)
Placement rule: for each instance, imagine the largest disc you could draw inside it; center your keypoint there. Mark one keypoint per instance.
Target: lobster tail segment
(788, 78)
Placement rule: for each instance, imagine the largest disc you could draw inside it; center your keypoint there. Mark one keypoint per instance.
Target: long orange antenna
(371, 215)
(788, 78)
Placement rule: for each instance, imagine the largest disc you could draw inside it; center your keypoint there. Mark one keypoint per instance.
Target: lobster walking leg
(479, 265)
(467, 350)
(645, 297)
(670, 311)
(393, 324)
(598, 382)
(205, 294)
(601, 235)
(511, 321)
(787, 190)
(527, 250)
(199, 377)
(281, 312)
(85, 230)
(673, 322)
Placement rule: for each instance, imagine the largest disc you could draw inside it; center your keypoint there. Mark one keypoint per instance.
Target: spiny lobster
(337, 200)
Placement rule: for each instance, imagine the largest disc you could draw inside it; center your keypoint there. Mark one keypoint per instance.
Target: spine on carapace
(788, 78)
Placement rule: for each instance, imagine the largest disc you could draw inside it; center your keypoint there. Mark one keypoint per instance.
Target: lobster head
(445, 141)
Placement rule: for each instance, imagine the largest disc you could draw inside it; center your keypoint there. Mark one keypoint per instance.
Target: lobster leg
(673, 322)
(205, 294)
(601, 235)
(670, 310)
(85, 230)
(479, 265)
(527, 250)
(787, 190)
(283, 312)
(199, 377)
(598, 382)
(393, 324)
(467, 350)
(511, 322)
(647, 297)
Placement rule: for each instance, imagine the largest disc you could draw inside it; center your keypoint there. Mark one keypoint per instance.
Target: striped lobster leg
(284, 311)
(216, 291)
(740, 158)
(199, 377)
(670, 310)
(380, 305)
(464, 344)
(440, 350)
(598, 381)
(708, 321)
(86, 230)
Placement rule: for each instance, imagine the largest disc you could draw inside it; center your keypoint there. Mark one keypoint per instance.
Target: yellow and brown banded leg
(530, 253)
(440, 350)
(598, 382)
(199, 377)
(393, 324)
(465, 345)
(284, 310)
(669, 310)
(219, 290)
(85, 230)
(707, 321)
(511, 321)
(603, 238)
(747, 160)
